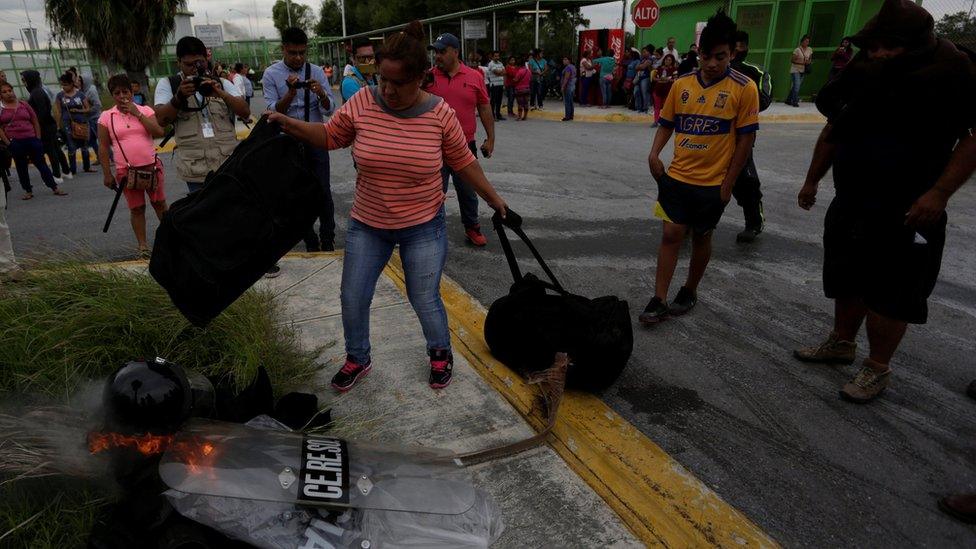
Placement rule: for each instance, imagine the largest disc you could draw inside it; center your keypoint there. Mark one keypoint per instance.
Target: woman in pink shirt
(523, 85)
(20, 132)
(401, 136)
(129, 129)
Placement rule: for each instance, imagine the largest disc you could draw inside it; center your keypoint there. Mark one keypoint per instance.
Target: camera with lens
(205, 88)
(299, 84)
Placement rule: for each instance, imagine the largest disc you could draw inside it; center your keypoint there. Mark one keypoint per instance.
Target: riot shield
(214, 458)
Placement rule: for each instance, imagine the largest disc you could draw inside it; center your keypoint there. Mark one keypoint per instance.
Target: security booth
(775, 28)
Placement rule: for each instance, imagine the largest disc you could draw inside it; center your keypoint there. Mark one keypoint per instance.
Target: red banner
(615, 41)
(589, 39)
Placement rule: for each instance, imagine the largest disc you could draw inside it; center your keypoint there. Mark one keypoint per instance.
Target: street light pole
(342, 8)
(537, 24)
(288, 9)
(623, 23)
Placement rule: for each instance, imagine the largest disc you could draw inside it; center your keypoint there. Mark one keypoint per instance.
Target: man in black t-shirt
(746, 191)
(885, 229)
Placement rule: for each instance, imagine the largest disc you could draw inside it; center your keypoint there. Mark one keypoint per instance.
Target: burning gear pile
(190, 479)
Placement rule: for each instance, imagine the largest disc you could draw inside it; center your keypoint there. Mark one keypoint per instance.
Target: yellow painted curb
(658, 499)
(628, 118)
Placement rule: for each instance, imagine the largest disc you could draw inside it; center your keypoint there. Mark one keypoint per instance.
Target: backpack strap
(514, 222)
(308, 93)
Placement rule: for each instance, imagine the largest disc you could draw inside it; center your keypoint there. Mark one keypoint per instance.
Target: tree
(128, 33)
(301, 16)
(330, 19)
(557, 33)
(958, 27)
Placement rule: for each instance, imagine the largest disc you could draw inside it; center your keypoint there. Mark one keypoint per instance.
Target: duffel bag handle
(513, 221)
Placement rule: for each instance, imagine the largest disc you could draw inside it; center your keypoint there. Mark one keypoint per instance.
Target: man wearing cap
(464, 90)
(886, 226)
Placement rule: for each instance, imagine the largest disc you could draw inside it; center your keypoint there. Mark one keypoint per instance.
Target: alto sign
(646, 13)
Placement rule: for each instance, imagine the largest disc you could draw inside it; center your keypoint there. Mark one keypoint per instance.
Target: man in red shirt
(464, 90)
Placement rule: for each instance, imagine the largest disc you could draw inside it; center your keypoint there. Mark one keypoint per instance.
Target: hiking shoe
(656, 311)
(960, 507)
(273, 272)
(832, 351)
(474, 236)
(349, 374)
(441, 368)
(867, 385)
(683, 302)
(749, 234)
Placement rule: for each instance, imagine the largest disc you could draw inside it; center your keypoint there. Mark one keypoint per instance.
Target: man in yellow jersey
(714, 114)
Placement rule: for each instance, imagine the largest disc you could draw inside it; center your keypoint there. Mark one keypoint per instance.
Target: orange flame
(148, 445)
(194, 454)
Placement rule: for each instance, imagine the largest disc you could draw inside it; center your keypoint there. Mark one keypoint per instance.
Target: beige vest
(196, 155)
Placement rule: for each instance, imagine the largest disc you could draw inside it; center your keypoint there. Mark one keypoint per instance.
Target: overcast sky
(244, 14)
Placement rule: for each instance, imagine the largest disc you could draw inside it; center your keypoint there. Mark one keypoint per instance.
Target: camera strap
(308, 92)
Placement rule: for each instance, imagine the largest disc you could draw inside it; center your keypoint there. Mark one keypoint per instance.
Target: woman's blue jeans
(568, 96)
(585, 82)
(606, 88)
(74, 145)
(797, 78)
(423, 252)
(644, 92)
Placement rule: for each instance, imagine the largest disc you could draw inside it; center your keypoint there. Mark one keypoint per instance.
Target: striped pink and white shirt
(398, 158)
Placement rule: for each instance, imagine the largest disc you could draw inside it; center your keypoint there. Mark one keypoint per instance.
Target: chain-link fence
(52, 63)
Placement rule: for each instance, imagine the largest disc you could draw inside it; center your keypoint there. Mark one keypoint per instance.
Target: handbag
(536, 319)
(138, 178)
(79, 131)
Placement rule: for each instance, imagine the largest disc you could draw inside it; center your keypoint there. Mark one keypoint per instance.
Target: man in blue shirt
(362, 73)
(538, 67)
(293, 86)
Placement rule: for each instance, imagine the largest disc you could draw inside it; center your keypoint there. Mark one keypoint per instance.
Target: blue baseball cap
(446, 40)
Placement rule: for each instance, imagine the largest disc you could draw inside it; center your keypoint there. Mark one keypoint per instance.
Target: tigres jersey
(706, 120)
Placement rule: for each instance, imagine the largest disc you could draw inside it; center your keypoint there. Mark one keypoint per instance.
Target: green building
(774, 27)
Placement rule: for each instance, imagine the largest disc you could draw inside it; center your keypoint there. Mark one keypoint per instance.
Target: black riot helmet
(154, 396)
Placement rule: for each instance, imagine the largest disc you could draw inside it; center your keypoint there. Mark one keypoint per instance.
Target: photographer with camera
(293, 87)
(202, 110)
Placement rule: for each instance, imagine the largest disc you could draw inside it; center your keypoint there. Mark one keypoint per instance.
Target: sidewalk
(778, 112)
(599, 483)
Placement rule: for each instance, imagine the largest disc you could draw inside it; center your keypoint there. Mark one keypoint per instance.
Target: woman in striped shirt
(400, 135)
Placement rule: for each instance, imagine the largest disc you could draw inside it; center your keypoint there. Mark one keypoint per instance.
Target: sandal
(27, 196)
(59, 192)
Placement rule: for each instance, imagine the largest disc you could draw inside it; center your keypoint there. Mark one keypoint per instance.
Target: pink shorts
(136, 199)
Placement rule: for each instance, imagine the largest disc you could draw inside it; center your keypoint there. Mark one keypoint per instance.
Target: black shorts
(697, 206)
(872, 255)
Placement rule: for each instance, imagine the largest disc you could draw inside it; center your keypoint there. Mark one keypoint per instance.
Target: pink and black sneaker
(441, 368)
(349, 374)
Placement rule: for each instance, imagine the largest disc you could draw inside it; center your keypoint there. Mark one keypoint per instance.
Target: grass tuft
(67, 323)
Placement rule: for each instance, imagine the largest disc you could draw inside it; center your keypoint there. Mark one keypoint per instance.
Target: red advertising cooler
(608, 40)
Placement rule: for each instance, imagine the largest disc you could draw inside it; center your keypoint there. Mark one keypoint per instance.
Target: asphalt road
(718, 388)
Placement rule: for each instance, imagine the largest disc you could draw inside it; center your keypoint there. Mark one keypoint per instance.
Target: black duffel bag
(537, 319)
(217, 242)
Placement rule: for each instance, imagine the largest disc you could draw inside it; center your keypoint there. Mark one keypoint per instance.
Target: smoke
(234, 31)
(41, 439)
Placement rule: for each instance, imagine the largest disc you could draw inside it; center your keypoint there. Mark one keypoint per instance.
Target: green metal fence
(51, 63)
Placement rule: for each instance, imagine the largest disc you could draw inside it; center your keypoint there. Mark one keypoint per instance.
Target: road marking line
(658, 499)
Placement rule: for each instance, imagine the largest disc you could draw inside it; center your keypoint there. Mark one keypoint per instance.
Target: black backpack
(216, 243)
(537, 319)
